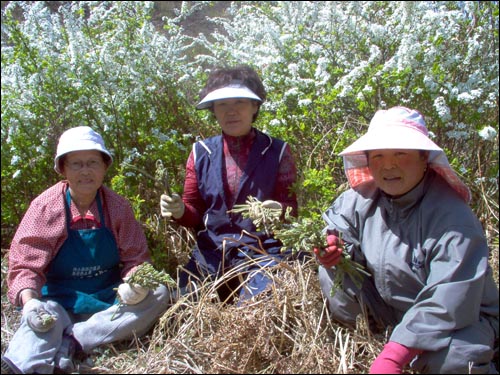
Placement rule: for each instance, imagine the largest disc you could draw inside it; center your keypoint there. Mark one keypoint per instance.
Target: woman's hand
(37, 317)
(132, 294)
(330, 256)
(172, 206)
(393, 359)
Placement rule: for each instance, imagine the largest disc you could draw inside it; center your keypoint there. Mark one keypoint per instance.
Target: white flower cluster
(320, 61)
(488, 133)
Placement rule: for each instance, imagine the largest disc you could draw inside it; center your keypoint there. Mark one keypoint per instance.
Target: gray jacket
(428, 256)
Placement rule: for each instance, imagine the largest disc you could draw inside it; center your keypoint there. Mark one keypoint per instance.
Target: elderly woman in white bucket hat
(76, 244)
(221, 172)
(406, 219)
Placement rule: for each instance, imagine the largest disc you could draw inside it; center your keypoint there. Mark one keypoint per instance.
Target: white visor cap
(227, 92)
(81, 138)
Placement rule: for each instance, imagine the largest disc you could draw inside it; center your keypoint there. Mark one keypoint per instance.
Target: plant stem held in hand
(299, 234)
(147, 276)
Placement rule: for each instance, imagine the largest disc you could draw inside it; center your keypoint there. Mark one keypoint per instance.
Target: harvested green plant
(299, 234)
(47, 320)
(145, 275)
(42, 321)
(264, 218)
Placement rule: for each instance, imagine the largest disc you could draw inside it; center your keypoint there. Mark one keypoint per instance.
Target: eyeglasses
(77, 165)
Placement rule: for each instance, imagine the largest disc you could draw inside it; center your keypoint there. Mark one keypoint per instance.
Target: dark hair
(221, 77)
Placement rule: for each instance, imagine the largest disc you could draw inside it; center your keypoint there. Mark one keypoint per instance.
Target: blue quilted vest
(258, 180)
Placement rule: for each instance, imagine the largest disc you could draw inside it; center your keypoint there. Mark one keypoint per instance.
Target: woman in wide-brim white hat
(77, 243)
(398, 128)
(406, 219)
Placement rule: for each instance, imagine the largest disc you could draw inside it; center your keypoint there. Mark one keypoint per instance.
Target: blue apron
(86, 269)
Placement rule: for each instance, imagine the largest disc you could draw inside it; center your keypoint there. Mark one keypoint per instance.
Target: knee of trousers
(162, 294)
(342, 307)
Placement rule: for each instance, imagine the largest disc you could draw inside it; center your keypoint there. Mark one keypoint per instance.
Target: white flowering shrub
(93, 63)
(327, 67)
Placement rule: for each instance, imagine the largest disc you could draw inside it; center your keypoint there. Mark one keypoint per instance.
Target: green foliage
(327, 67)
(320, 189)
(147, 276)
(89, 67)
(302, 235)
(299, 234)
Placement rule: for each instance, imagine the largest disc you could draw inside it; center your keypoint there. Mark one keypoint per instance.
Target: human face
(85, 172)
(235, 115)
(396, 172)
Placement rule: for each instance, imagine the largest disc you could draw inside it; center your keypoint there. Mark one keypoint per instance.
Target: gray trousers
(34, 352)
(470, 350)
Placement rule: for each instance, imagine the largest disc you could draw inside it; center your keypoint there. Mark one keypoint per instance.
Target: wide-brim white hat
(398, 128)
(227, 92)
(80, 138)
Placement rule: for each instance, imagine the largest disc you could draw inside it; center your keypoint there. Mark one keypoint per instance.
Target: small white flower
(488, 133)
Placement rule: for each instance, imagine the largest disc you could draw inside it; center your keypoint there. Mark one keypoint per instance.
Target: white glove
(274, 205)
(39, 319)
(132, 294)
(172, 206)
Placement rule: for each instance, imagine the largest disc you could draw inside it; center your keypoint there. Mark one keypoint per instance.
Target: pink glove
(393, 358)
(330, 256)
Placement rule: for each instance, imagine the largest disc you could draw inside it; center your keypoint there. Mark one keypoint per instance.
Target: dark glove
(330, 256)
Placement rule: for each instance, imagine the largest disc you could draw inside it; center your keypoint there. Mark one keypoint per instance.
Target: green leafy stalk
(47, 319)
(351, 268)
(306, 234)
(147, 276)
(299, 234)
(302, 234)
(265, 219)
(161, 177)
(44, 321)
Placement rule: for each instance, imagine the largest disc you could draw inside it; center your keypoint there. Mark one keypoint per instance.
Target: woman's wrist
(26, 294)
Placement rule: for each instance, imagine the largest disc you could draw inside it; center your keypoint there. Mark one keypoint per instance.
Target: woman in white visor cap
(223, 171)
(75, 246)
(406, 219)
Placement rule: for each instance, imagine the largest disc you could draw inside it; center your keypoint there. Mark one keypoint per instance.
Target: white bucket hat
(234, 90)
(80, 138)
(398, 128)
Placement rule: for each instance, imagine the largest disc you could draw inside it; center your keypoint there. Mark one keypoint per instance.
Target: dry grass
(284, 330)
